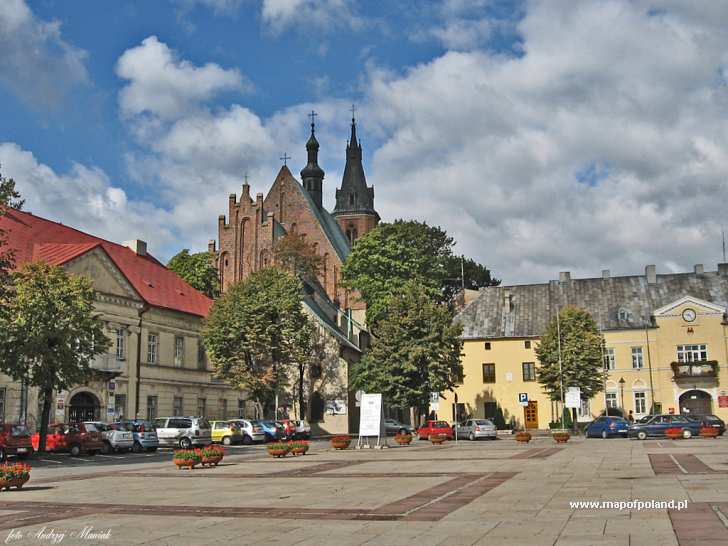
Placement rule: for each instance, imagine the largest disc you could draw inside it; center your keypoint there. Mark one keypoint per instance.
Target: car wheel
(137, 448)
(641, 435)
(152, 449)
(75, 450)
(185, 443)
(227, 441)
(23, 456)
(471, 437)
(107, 448)
(687, 434)
(247, 440)
(420, 437)
(604, 434)
(3, 455)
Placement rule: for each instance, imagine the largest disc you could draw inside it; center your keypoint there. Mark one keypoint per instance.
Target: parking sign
(523, 398)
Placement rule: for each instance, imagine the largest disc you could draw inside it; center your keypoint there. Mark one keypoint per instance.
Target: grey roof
(615, 303)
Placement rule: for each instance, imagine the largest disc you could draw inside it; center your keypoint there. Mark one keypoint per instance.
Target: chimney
(564, 276)
(139, 247)
(699, 269)
(723, 270)
(507, 300)
(605, 273)
(211, 246)
(651, 274)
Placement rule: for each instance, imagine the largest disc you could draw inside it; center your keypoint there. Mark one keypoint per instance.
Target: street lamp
(621, 390)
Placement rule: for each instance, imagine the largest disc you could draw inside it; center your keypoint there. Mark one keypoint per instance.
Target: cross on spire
(313, 115)
(353, 111)
(285, 158)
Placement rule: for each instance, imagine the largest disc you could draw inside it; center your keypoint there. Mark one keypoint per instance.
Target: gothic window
(351, 233)
(351, 199)
(242, 245)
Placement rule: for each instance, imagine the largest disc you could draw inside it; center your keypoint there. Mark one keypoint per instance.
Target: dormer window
(624, 314)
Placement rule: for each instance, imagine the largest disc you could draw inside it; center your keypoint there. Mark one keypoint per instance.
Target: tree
(9, 198)
(257, 331)
(198, 270)
(582, 364)
(52, 332)
(475, 276)
(384, 259)
(416, 351)
(294, 254)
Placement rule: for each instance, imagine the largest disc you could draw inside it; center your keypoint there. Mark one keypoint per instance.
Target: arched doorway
(695, 402)
(83, 406)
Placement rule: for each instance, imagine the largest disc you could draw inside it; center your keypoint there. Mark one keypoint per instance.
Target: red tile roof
(36, 239)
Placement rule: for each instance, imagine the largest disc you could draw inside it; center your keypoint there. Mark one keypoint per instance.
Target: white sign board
(370, 421)
(573, 398)
(523, 398)
(434, 401)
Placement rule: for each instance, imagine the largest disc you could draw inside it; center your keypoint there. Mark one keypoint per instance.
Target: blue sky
(542, 135)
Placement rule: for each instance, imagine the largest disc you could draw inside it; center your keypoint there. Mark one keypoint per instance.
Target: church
(246, 238)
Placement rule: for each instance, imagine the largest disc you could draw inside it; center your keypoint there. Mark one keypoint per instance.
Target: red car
(289, 427)
(14, 440)
(435, 427)
(71, 438)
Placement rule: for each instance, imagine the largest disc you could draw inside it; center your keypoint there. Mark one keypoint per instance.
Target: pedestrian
(630, 417)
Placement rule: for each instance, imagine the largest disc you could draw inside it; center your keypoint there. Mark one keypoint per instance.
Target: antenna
(722, 232)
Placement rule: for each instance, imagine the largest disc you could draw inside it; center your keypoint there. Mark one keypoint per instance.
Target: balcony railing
(692, 370)
(107, 363)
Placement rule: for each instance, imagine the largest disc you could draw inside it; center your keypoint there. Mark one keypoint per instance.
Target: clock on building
(688, 315)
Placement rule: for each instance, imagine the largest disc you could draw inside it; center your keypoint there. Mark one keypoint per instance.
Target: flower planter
(186, 459)
(17, 482)
(523, 437)
(299, 447)
(561, 437)
(13, 475)
(709, 432)
(438, 439)
(673, 433)
(403, 439)
(278, 449)
(211, 455)
(340, 442)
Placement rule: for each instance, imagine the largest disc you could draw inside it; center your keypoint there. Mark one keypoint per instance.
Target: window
(120, 343)
(120, 406)
(527, 344)
(152, 348)
(222, 403)
(487, 345)
(611, 399)
(640, 403)
(177, 406)
(692, 353)
(241, 409)
(609, 360)
(201, 406)
(151, 408)
(201, 355)
(179, 351)
(637, 360)
(488, 373)
(529, 371)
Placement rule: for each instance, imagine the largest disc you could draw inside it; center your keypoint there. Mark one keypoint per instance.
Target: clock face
(688, 315)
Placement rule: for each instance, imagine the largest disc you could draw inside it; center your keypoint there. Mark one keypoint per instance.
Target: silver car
(183, 432)
(251, 433)
(472, 429)
(116, 438)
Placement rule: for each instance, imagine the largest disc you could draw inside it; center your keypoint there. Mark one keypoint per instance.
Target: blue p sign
(523, 397)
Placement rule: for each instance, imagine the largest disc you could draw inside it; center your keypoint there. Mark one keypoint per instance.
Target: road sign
(523, 398)
(434, 401)
(573, 398)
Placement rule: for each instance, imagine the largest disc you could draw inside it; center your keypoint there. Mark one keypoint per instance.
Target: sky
(544, 136)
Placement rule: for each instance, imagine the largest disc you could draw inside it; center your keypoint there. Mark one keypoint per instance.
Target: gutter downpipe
(649, 366)
(143, 310)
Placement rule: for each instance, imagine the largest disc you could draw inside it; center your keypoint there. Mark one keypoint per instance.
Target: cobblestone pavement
(465, 494)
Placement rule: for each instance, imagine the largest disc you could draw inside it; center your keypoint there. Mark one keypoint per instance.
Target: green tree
(475, 276)
(52, 332)
(581, 344)
(416, 351)
(384, 259)
(198, 270)
(257, 332)
(294, 254)
(9, 199)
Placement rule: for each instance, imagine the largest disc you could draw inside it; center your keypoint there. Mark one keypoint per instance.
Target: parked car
(251, 431)
(473, 429)
(434, 427)
(657, 424)
(392, 427)
(74, 439)
(14, 440)
(303, 430)
(115, 438)
(709, 421)
(144, 434)
(289, 428)
(606, 427)
(183, 432)
(272, 429)
(226, 432)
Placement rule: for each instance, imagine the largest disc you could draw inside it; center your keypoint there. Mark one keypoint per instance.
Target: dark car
(709, 421)
(658, 424)
(606, 427)
(392, 427)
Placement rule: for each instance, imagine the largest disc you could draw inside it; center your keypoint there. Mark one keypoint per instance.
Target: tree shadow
(486, 406)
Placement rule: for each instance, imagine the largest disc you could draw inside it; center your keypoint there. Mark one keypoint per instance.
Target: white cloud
(86, 199)
(35, 62)
(217, 6)
(165, 86)
(282, 14)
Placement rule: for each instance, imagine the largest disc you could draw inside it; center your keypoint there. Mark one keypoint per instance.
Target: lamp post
(621, 391)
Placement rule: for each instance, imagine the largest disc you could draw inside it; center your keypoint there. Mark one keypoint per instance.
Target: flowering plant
(299, 444)
(211, 451)
(17, 471)
(278, 446)
(187, 455)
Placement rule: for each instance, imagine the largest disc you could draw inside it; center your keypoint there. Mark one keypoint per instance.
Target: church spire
(312, 175)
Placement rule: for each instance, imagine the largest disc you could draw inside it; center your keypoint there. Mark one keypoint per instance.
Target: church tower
(354, 209)
(312, 175)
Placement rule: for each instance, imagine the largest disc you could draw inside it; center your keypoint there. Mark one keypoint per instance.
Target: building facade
(156, 364)
(666, 339)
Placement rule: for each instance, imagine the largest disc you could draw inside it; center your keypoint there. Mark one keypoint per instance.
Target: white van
(183, 432)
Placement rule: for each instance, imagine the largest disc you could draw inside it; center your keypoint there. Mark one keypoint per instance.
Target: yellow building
(665, 338)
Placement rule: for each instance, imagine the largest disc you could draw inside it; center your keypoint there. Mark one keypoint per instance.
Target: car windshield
(439, 424)
(19, 430)
(94, 427)
(619, 420)
(482, 422)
